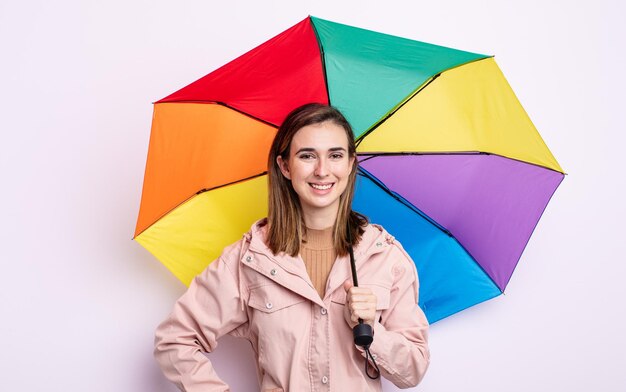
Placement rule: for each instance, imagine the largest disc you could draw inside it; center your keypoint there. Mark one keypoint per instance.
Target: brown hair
(285, 219)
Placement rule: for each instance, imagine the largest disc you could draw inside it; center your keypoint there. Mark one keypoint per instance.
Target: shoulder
(376, 235)
(385, 262)
(231, 254)
(377, 240)
(253, 238)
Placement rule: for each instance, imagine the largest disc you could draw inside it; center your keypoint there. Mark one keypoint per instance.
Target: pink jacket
(301, 341)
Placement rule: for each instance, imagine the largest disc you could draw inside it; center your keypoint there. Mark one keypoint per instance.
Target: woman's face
(318, 166)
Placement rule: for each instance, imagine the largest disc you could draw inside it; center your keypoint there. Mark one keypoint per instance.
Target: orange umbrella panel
(196, 147)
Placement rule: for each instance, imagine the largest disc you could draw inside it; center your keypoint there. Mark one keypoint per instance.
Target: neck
(320, 219)
(318, 239)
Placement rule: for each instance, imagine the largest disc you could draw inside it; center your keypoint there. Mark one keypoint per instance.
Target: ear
(283, 166)
(352, 163)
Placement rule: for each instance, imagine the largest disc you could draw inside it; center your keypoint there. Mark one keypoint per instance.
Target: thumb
(347, 285)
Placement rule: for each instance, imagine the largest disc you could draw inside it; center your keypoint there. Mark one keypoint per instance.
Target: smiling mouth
(321, 187)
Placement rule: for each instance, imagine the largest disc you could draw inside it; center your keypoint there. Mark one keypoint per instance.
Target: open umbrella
(450, 162)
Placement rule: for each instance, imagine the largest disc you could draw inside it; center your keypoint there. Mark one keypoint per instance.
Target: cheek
(344, 171)
(297, 170)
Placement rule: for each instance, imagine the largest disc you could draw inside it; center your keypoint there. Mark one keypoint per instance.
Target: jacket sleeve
(400, 341)
(209, 309)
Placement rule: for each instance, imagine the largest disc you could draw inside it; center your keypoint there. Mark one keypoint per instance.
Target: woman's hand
(360, 304)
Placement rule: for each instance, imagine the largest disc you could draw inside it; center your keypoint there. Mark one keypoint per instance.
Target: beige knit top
(318, 254)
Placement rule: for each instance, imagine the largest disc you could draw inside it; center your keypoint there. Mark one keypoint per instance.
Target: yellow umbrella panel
(470, 108)
(187, 239)
(199, 157)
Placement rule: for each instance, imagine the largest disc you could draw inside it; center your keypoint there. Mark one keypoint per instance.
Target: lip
(322, 187)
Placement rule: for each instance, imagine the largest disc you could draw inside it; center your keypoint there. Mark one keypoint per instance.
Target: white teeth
(321, 187)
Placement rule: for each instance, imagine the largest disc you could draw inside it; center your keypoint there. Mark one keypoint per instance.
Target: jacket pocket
(271, 298)
(277, 316)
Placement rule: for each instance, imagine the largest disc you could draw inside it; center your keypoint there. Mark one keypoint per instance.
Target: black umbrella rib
(413, 208)
(227, 106)
(402, 200)
(231, 183)
(371, 155)
(375, 126)
(533, 231)
(384, 153)
(419, 89)
(323, 58)
(200, 192)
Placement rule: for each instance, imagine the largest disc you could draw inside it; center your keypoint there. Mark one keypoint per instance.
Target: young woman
(286, 286)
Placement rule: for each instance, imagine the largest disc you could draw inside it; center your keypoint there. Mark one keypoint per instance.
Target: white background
(80, 300)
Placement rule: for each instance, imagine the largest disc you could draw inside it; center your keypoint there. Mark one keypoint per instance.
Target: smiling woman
(318, 165)
(285, 286)
(312, 173)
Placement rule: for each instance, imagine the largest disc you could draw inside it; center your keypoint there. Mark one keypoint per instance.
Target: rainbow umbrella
(451, 163)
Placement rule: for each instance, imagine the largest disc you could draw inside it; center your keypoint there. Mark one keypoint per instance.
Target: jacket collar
(294, 275)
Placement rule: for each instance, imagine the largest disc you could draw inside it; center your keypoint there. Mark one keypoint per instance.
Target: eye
(336, 155)
(306, 156)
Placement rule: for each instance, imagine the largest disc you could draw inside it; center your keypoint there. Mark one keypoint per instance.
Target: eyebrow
(310, 149)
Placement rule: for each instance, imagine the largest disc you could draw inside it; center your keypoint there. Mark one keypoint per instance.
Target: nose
(321, 168)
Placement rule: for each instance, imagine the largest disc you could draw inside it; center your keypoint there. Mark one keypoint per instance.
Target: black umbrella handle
(363, 334)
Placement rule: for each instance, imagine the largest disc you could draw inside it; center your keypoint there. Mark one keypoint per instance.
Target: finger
(365, 315)
(368, 298)
(363, 297)
(362, 308)
(347, 285)
(360, 291)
